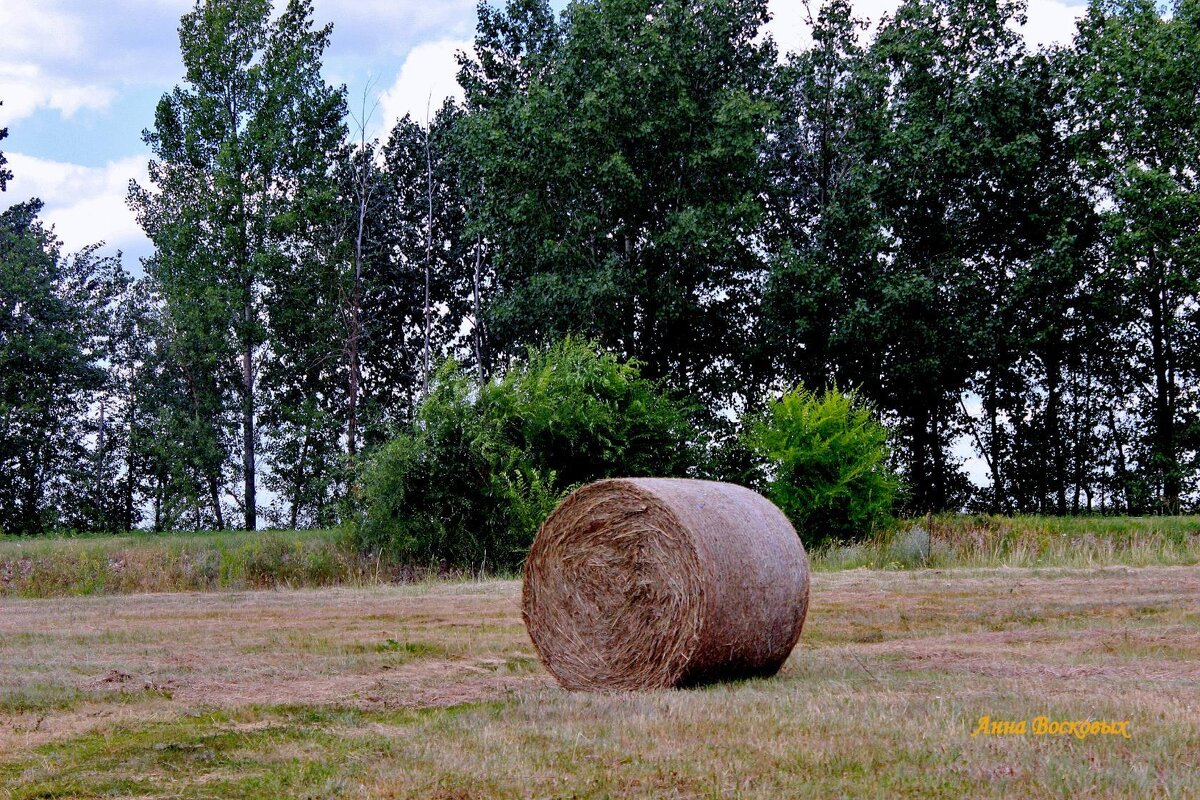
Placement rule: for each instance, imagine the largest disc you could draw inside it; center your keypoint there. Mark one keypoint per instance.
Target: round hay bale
(652, 582)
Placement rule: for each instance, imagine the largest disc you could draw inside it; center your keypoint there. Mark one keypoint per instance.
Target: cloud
(24, 88)
(86, 205)
(427, 78)
(789, 25)
(69, 56)
(373, 29)
(46, 33)
(1051, 22)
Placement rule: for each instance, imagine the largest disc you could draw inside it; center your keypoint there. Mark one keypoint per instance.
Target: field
(432, 690)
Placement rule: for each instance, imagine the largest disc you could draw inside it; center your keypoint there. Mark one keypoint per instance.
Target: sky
(79, 81)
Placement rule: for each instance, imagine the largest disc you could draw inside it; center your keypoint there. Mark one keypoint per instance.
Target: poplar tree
(242, 152)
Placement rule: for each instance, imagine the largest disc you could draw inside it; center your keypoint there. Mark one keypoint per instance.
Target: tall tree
(1137, 128)
(242, 163)
(934, 53)
(620, 190)
(55, 315)
(825, 232)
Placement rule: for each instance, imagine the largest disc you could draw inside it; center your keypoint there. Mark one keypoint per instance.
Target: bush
(470, 482)
(827, 455)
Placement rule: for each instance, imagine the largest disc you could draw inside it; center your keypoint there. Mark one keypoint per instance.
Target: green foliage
(828, 458)
(55, 316)
(618, 155)
(471, 481)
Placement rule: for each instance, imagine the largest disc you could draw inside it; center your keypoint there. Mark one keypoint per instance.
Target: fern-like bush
(827, 458)
(480, 469)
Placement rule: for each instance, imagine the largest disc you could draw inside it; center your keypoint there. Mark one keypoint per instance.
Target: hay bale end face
(644, 583)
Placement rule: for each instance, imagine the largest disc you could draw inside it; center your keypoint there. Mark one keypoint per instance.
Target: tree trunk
(919, 471)
(130, 471)
(158, 492)
(1053, 432)
(478, 333)
(428, 249)
(101, 493)
(1000, 499)
(355, 328)
(1163, 442)
(298, 485)
(988, 457)
(214, 494)
(1122, 470)
(940, 495)
(251, 499)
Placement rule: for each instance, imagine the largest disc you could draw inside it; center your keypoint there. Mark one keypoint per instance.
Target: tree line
(989, 243)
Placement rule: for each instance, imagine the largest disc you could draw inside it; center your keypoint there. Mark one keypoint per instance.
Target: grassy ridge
(955, 540)
(144, 562)
(181, 562)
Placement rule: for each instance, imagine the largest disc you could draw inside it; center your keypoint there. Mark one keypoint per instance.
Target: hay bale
(652, 583)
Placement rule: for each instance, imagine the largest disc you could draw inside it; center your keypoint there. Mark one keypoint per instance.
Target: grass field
(433, 691)
(181, 562)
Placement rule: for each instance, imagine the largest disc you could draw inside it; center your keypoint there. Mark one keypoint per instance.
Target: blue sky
(79, 80)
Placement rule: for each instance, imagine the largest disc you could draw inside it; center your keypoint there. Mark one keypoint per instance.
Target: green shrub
(480, 469)
(827, 457)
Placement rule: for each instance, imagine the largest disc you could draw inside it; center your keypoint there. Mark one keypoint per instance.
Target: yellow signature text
(1044, 726)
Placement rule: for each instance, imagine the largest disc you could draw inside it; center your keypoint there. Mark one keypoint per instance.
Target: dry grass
(230, 560)
(432, 691)
(188, 562)
(957, 540)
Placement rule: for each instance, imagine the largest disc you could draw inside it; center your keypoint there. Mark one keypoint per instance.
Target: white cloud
(374, 28)
(86, 205)
(24, 88)
(789, 25)
(1051, 22)
(427, 78)
(44, 32)
(68, 55)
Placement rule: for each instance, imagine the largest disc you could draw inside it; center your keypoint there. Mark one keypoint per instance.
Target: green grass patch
(37, 697)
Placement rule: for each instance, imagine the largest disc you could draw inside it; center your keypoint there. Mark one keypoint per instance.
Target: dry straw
(652, 582)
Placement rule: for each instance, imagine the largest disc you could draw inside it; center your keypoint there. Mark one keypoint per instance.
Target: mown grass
(893, 673)
(143, 562)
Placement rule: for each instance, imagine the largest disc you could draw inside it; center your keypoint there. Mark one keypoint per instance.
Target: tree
(242, 162)
(54, 337)
(824, 230)
(1135, 125)
(620, 189)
